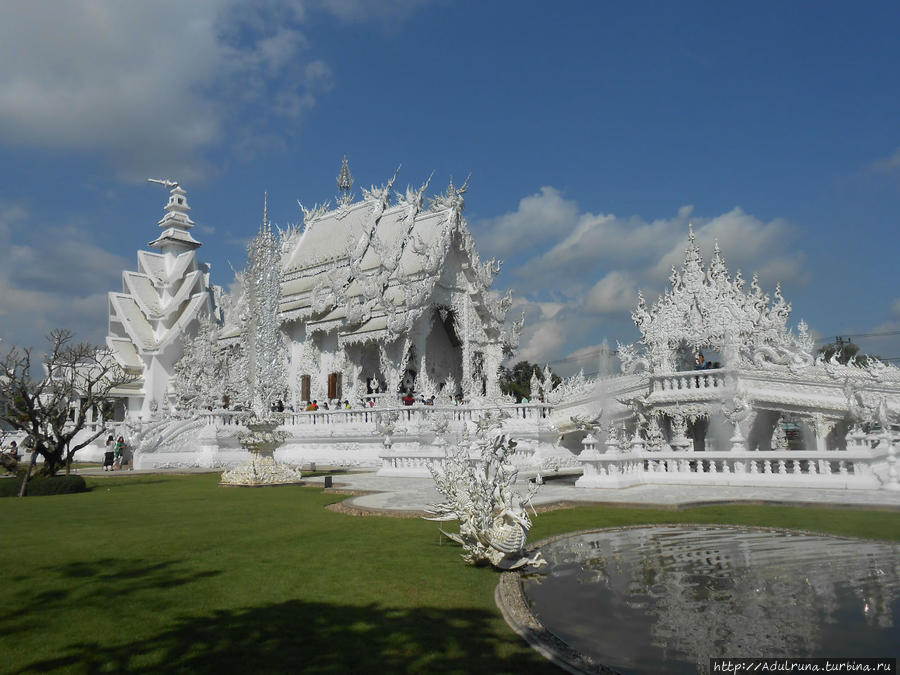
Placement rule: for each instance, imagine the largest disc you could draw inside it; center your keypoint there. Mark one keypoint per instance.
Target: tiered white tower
(158, 305)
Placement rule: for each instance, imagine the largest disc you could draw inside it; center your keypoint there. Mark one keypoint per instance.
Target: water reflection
(666, 599)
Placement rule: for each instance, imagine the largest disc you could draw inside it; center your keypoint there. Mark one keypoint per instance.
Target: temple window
(334, 385)
(304, 387)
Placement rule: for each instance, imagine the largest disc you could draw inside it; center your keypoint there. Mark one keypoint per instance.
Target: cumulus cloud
(587, 267)
(895, 308)
(545, 338)
(539, 219)
(53, 277)
(613, 293)
(154, 87)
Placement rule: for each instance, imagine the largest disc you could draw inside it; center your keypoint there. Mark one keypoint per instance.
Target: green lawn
(173, 573)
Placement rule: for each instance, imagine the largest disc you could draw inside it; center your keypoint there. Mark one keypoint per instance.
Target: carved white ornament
(493, 521)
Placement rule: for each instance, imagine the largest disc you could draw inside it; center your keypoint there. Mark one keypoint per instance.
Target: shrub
(43, 485)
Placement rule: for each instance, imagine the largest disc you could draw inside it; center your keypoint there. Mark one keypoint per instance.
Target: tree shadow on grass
(312, 637)
(93, 583)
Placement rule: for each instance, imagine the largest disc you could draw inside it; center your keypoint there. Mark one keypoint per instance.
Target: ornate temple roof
(370, 267)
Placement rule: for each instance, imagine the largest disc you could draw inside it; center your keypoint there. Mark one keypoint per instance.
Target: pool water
(668, 598)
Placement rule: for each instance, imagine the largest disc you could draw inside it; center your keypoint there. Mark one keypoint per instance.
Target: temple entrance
(443, 352)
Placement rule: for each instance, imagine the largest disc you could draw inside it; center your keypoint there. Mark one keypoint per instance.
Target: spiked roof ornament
(345, 182)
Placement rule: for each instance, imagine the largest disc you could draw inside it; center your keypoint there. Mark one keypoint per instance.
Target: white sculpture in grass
(477, 484)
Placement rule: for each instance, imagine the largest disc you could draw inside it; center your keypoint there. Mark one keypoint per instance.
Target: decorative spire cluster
(262, 338)
(708, 308)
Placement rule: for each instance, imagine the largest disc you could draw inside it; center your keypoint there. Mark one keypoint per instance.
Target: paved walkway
(415, 494)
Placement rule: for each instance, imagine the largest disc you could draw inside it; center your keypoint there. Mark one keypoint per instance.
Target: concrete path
(415, 494)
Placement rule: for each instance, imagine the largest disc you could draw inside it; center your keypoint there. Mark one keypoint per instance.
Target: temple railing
(852, 468)
(693, 380)
(529, 412)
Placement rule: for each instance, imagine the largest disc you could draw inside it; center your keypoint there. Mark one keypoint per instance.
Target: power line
(838, 338)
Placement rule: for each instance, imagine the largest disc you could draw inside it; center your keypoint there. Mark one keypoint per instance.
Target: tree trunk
(31, 464)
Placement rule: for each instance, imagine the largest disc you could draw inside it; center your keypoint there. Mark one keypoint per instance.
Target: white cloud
(613, 293)
(746, 242)
(54, 277)
(540, 218)
(580, 284)
(895, 308)
(156, 86)
(580, 248)
(544, 340)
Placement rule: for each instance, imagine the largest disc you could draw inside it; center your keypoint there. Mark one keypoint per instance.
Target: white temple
(721, 390)
(382, 297)
(158, 305)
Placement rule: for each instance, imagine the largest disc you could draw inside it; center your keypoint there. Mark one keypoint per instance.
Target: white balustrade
(533, 412)
(815, 468)
(690, 380)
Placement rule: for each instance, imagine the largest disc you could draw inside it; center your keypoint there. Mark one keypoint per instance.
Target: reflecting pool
(667, 598)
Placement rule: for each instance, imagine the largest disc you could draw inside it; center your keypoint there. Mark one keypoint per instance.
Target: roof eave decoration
(175, 235)
(410, 260)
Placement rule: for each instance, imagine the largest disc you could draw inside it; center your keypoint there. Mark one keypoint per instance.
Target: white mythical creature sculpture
(493, 522)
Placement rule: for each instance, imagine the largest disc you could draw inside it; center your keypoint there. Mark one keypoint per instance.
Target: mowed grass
(173, 573)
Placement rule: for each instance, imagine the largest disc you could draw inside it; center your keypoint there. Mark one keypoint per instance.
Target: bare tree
(54, 410)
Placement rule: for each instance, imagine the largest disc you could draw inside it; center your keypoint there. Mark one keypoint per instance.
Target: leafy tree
(54, 410)
(516, 381)
(845, 350)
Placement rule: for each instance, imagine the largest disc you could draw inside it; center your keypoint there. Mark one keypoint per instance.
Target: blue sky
(594, 133)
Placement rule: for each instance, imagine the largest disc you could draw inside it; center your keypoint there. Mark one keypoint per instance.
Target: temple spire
(345, 182)
(176, 222)
(265, 210)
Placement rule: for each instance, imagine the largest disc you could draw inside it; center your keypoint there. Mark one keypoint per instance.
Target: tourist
(109, 454)
(699, 361)
(119, 453)
(14, 450)
(408, 399)
(324, 405)
(279, 407)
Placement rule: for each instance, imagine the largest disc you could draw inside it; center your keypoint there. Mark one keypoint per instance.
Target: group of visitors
(338, 404)
(407, 399)
(114, 455)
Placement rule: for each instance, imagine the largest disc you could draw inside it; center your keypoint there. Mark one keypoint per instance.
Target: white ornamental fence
(868, 463)
(415, 414)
